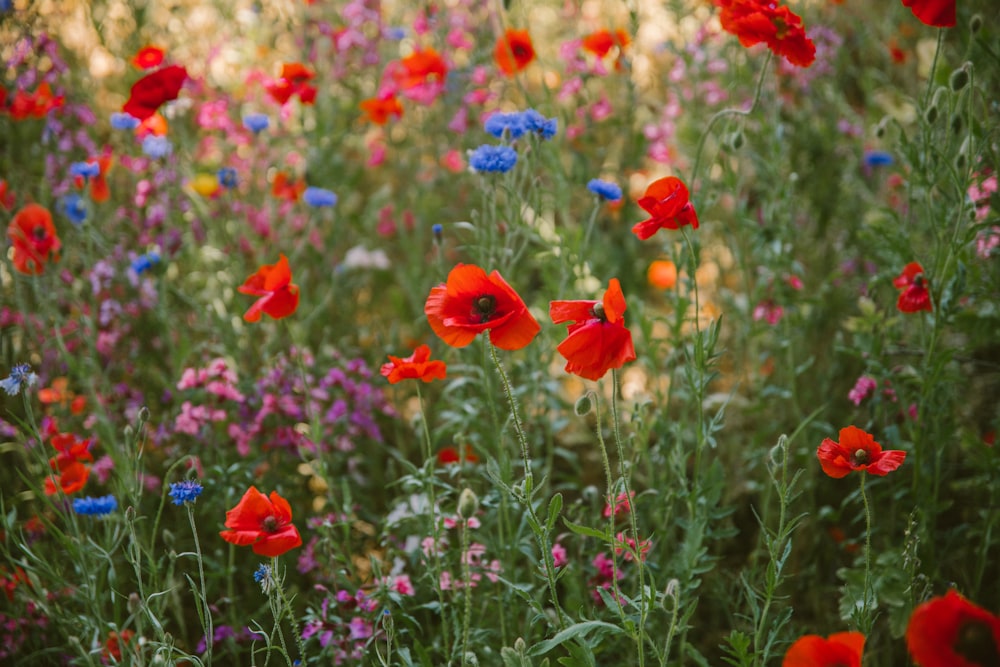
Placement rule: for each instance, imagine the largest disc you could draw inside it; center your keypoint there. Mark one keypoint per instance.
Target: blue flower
(498, 159)
(605, 189)
(185, 492)
(319, 197)
(20, 377)
(515, 124)
(256, 122)
(144, 263)
(85, 169)
(394, 33)
(262, 575)
(536, 122)
(74, 207)
(157, 147)
(878, 159)
(95, 506)
(228, 178)
(437, 229)
(124, 121)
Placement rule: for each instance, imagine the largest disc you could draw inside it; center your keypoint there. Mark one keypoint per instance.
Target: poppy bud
(939, 99)
(976, 23)
(957, 122)
(735, 140)
(960, 77)
(468, 503)
(880, 128)
(583, 405)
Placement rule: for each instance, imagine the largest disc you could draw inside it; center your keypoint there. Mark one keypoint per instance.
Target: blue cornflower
(144, 263)
(536, 122)
(878, 159)
(487, 158)
(20, 377)
(605, 189)
(74, 207)
(85, 169)
(395, 33)
(95, 506)
(124, 121)
(262, 575)
(319, 197)
(437, 229)
(185, 492)
(256, 122)
(515, 124)
(157, 147)
(228, 178)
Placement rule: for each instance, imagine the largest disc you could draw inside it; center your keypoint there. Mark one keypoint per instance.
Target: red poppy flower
(286, 188)
(668, 203)
(598, 340)
(451, 454)
(70, 449)
(265, 523)
(293, 81)
(857, 450)
(114, 643)
(843, 649)
(601, 42)
(34, 238)
(915, 296)
(154, 90)
(417, 366)
(950, 631)
(6, 197)
(279, 297)
(755, 21)
(471, 302)
(937, 13)
(72, 476)
(58, 394)
(148, 57)
(379, 109)
(513, 51)
(36, 104)
(420, 67)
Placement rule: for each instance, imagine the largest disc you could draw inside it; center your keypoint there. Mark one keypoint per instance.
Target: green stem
(866, 595)
(209, 632)
(467, 584)
(612, 502)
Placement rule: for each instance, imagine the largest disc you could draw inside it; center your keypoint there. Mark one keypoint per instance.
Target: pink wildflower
(863, 388)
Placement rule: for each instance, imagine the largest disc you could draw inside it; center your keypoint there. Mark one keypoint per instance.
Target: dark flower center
(598, 311)
(484, 307)
(269, 524)
(975, 643)
(520, 51)
(860, 457)
(39, 233)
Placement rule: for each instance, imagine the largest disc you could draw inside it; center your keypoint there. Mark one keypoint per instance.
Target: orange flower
(420, 67)
(279, 297)
(417, 366)
(379, 109)
(598, 340)
(937, 13)
(914, 296)
(668, 203)
(472, 302)
(262, 522)
(59, 393)
(34, 237)
(662, 274)
(950, 631)
(148, 57)
(513, 51)
(857, 450)
(755, 21)
(842, 649)
(155, 125)
(601, 42)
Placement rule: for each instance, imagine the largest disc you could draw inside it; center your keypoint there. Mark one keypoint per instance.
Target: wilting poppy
(755, 21)
(857, 450)
(914, 296)
(154, 90)
(842, 649)
(279, 297)
(262, 522)
(148, 57)
(380, 109)
(668, 203)
(598, 340)
(34, 238)
(950, 631)
(471, 302)
(513, 51)
(417, 366)
(937, 13)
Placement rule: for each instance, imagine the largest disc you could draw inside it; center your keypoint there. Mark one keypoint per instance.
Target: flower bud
(933, 111)
(957, 122)
(583, 405)
(976, 23)
(468, 503)
(959, 79)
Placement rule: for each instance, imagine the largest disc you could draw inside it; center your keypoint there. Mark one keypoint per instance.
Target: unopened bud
(957, 122)
(959, 79)
(134, 603)
(143, 414)
(735, 140)
(976, 23)
(939, 99)
(468, 503)
(583, 405)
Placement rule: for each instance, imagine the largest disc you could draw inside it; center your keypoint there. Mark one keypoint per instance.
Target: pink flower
(559, 555)
(863, 388)
(768, 311)
(621, 505)
(644, 546)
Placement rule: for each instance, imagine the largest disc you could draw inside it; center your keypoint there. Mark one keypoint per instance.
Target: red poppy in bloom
(755, 21)
(72, 476)
(154, 90)
(857, 450)
(293, 81)
(601, 42)
(843, 649)
(417, 366)
(148, 57)
(36, 104)
(937, 13)
(279, 297)
(114, 643)
(451, 454)
(598, 340)
(34, 238)
(6, 197)
(513, 51)
(668, 203)
(950, 631)
(379, 109)
(914, 296)
(420, 67)
(263, 522)
(286, 188)
(471, 302)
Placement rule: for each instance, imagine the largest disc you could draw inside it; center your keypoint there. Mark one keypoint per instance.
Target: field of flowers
(466, 332)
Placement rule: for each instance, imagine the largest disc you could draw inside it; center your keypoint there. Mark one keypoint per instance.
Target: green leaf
(587, 531)
(572, 632)
(555, 505)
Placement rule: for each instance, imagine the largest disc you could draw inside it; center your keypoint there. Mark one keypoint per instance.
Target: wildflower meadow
(520, 333)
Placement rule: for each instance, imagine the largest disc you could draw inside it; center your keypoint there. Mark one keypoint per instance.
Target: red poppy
(420, 67)
(72, 476)
(950, 631)
(914, 296)
(148, 57)
(598, 340)
(34, 238)
(842, 649)
(601, 42)
(58, 393)
(288, 189)
(154, 90)
(451, 454)
(36, 104)
(293, 81)
(513, 51)
(6, 197)
(379, 109)
(857, 450)
(668, 203)
(471, 302)
(755, 21)
(112, 647)
(265, 523)
(70, 449)
(417, 366)
(937, 13)
(279, 297)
